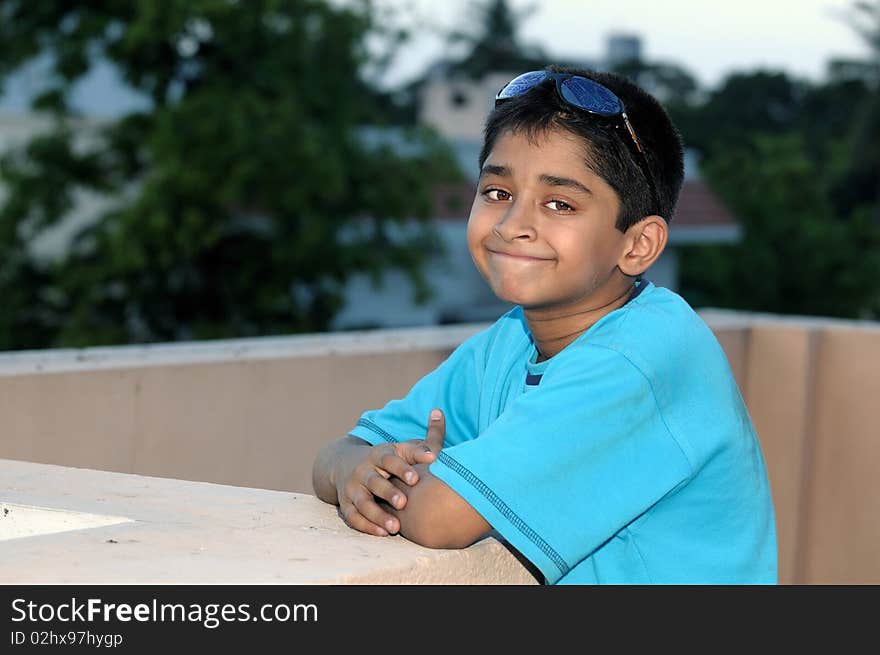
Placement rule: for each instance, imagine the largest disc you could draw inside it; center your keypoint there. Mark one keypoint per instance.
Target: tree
(864, 18)
(796, 256)
(779, 152)
(245, 197)
(859, 183)
(671, 84)
(745, 102)
(492, 41)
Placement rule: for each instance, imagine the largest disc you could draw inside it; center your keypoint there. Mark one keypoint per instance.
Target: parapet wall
(254, 413)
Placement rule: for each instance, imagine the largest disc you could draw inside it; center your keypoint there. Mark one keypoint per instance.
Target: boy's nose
(515, 223)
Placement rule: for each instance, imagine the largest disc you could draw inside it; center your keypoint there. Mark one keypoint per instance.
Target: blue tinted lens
(590, 96)
(522, 84)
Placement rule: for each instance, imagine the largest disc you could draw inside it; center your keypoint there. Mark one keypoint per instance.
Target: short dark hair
(611, 153)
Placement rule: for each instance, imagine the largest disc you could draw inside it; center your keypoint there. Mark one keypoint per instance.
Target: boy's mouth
(516, 256)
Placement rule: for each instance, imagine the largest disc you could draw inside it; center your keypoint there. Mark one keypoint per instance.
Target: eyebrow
(554, 180)
(493, 169)
(549, 180)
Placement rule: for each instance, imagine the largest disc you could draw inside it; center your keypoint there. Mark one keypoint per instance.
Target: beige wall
(255, 412)
(810, 387)
(778, 383)
(246, 413)
(841, 530)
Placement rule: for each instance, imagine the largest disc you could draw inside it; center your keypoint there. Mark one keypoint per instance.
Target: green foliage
(671, 84)
(760, 101)
(796, 256)
(492, 41)
(243, 199)
(250, 192)
(858, 181)
(799, 165)
(864, 19)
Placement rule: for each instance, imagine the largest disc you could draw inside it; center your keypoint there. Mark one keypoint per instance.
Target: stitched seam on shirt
(365, 423)
(505, 510)
(489, 495)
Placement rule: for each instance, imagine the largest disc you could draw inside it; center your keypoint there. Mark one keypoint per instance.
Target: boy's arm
(372, 485)
(435, 516)
(355, 476)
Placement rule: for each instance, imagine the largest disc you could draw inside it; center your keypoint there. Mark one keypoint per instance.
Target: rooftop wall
(254, 413)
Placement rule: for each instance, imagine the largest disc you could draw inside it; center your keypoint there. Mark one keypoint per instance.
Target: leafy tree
(745, 102)
(671, 84)
(796, 255)
(798, 164)
(244, 198)
(859, 183)
(864, 18)
(492, 42)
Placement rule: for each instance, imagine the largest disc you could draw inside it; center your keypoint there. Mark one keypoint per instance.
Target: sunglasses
(588, 96)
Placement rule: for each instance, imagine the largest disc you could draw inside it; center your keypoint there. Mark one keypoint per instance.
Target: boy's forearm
(335, 461)
(437, 517)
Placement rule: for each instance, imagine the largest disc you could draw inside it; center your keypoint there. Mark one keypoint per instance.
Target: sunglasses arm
(632, 132)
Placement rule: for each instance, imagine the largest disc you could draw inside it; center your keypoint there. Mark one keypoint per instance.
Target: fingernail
(409, 476)
(435, 414)
(395, 500)
(389, 524)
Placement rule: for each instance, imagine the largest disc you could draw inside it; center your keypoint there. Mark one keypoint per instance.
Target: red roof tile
(698, 206)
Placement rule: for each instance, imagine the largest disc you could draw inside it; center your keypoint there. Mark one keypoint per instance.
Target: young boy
(596, 427)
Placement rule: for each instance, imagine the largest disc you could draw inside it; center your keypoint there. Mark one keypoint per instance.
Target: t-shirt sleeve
(569, 464)
(453, 387)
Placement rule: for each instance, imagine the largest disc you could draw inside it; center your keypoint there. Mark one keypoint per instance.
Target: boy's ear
(645, 242)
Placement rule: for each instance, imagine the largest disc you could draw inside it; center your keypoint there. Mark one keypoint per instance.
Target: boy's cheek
(478, 256)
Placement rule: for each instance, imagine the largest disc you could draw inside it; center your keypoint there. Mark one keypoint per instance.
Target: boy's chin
(523, 300)
(524, 297)
(506, 296)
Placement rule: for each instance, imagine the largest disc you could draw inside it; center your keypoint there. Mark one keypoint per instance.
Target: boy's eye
(559, 205)
(496, 194)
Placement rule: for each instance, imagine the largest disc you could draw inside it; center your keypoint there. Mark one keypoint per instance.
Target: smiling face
(542, 226)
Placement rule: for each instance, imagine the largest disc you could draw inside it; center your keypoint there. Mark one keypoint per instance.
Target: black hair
(611, 153)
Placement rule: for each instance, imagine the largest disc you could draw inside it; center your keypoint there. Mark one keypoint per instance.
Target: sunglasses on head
(588, 96)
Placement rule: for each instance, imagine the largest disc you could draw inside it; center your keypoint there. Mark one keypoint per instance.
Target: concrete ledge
(721, 319)
(182, 532)
(363, 342)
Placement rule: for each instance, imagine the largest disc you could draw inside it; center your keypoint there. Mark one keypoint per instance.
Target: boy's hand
(368, 485)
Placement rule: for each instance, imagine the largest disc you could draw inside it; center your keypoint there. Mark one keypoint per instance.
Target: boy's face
(541, 229)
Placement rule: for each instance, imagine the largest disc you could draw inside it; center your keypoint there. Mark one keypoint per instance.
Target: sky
(709, 38)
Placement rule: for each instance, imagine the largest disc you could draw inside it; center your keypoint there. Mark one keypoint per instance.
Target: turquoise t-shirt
(627, 458)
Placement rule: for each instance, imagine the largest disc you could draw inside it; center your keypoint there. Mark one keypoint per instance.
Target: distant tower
(622, 48)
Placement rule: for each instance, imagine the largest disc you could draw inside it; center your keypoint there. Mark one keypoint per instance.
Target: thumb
(436, 431)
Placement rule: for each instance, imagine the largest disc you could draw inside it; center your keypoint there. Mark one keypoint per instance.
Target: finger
(366, 505)
(353, 519)
(397, 463)
(436, 431)
(415, 451)
(382, 488)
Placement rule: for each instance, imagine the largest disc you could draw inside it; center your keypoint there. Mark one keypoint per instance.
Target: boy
(596, 426)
